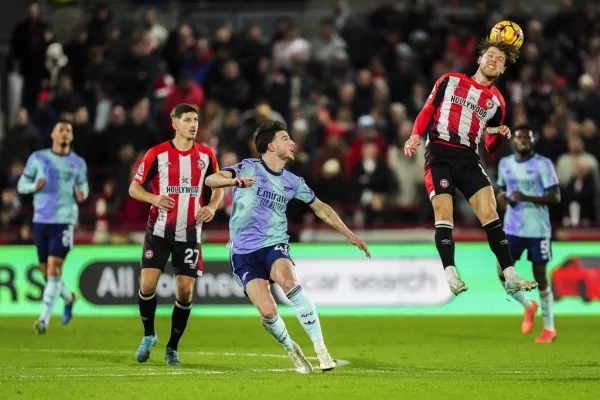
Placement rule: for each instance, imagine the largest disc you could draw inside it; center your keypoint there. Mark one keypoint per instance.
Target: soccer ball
(509, 32)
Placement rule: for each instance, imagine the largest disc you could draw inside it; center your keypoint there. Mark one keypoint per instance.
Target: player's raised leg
(282, 272)
(444, 241)
(530, 306)
(483, 203)
(180, 316)
(259, 292)
(147, 302)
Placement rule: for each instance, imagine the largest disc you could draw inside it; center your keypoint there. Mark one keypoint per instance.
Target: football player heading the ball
(454, 118)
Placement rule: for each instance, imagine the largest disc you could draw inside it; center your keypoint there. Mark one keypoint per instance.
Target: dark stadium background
(351, 97)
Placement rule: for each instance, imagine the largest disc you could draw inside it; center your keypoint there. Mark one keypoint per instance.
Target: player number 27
(191, 256)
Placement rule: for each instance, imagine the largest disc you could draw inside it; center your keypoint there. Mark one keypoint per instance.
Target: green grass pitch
(225, 358)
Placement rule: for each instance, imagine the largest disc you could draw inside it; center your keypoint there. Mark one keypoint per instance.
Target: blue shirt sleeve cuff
(233, 175)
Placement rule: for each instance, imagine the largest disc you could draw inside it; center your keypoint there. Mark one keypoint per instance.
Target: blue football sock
(51, 293)
(276, 327)
(307, 315)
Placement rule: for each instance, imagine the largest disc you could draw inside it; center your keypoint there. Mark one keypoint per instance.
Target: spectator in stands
(291, 48)
(328, 47)
(22, 140)
(29, 41)
(78, 54)
(186, 91)
(202, 60)
(65, 98)
(579, 197)
(367, 132)
(25, 236)
(407, 171)
(550, 144)
(140, 130)
(591, 140)
(231, 90)
(374, 181)
(158, 34)
(10, 205)
(99, 26)
(83, 142)
(565, 166)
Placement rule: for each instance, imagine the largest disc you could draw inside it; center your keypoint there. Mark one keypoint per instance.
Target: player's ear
(174, 124)
(271, 147)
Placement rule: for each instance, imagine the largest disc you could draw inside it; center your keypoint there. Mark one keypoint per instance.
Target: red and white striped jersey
(179, 175)
(462, 110)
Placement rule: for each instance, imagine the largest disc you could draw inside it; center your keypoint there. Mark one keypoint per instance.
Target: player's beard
(489, 74)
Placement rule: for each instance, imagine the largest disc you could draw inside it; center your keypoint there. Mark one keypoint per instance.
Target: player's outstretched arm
(225, 179)
(326, 213)
(138, 192)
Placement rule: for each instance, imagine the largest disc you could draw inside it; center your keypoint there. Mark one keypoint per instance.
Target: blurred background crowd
(348, 77)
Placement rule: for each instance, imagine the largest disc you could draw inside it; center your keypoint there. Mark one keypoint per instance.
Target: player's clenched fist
(410, 147)
(243, 182)
(163, 202)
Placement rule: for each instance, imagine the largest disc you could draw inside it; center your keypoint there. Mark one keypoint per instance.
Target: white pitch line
(197, 353)
(145, 370)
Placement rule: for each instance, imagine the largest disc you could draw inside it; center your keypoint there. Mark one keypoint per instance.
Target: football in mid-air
(509, 32)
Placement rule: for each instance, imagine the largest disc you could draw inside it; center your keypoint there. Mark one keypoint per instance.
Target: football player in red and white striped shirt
(175, 172)
(454, 118)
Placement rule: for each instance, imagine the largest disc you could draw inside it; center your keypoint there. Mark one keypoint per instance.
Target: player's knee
(288, 284)
(147, 287)
(184, 295)
(443, 210)
(267, 310)
(488, 215)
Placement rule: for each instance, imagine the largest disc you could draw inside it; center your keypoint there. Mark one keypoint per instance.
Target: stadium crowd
(349, 96)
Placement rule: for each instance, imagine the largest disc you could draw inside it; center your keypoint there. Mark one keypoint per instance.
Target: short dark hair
(511, 52)
(181, 109)
(265, 133)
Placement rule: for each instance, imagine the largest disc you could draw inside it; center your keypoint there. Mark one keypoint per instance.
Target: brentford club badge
(489, 103)
(444, 183)
(201, 164)
(149, 254)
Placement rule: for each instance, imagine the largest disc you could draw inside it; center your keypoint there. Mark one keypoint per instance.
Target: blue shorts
(258, 264)
(539, 250)
(52, 240)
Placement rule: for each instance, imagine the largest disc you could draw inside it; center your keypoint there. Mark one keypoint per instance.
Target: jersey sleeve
(434, 100)
(548, 174)
(81, 181)
(244, 169)
(304, 193)
(213, 166)
(147, 168)
(33, 170)
(498, 118)
(501, 178)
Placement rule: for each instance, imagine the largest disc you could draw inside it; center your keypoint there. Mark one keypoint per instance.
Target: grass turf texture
(390, 357)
